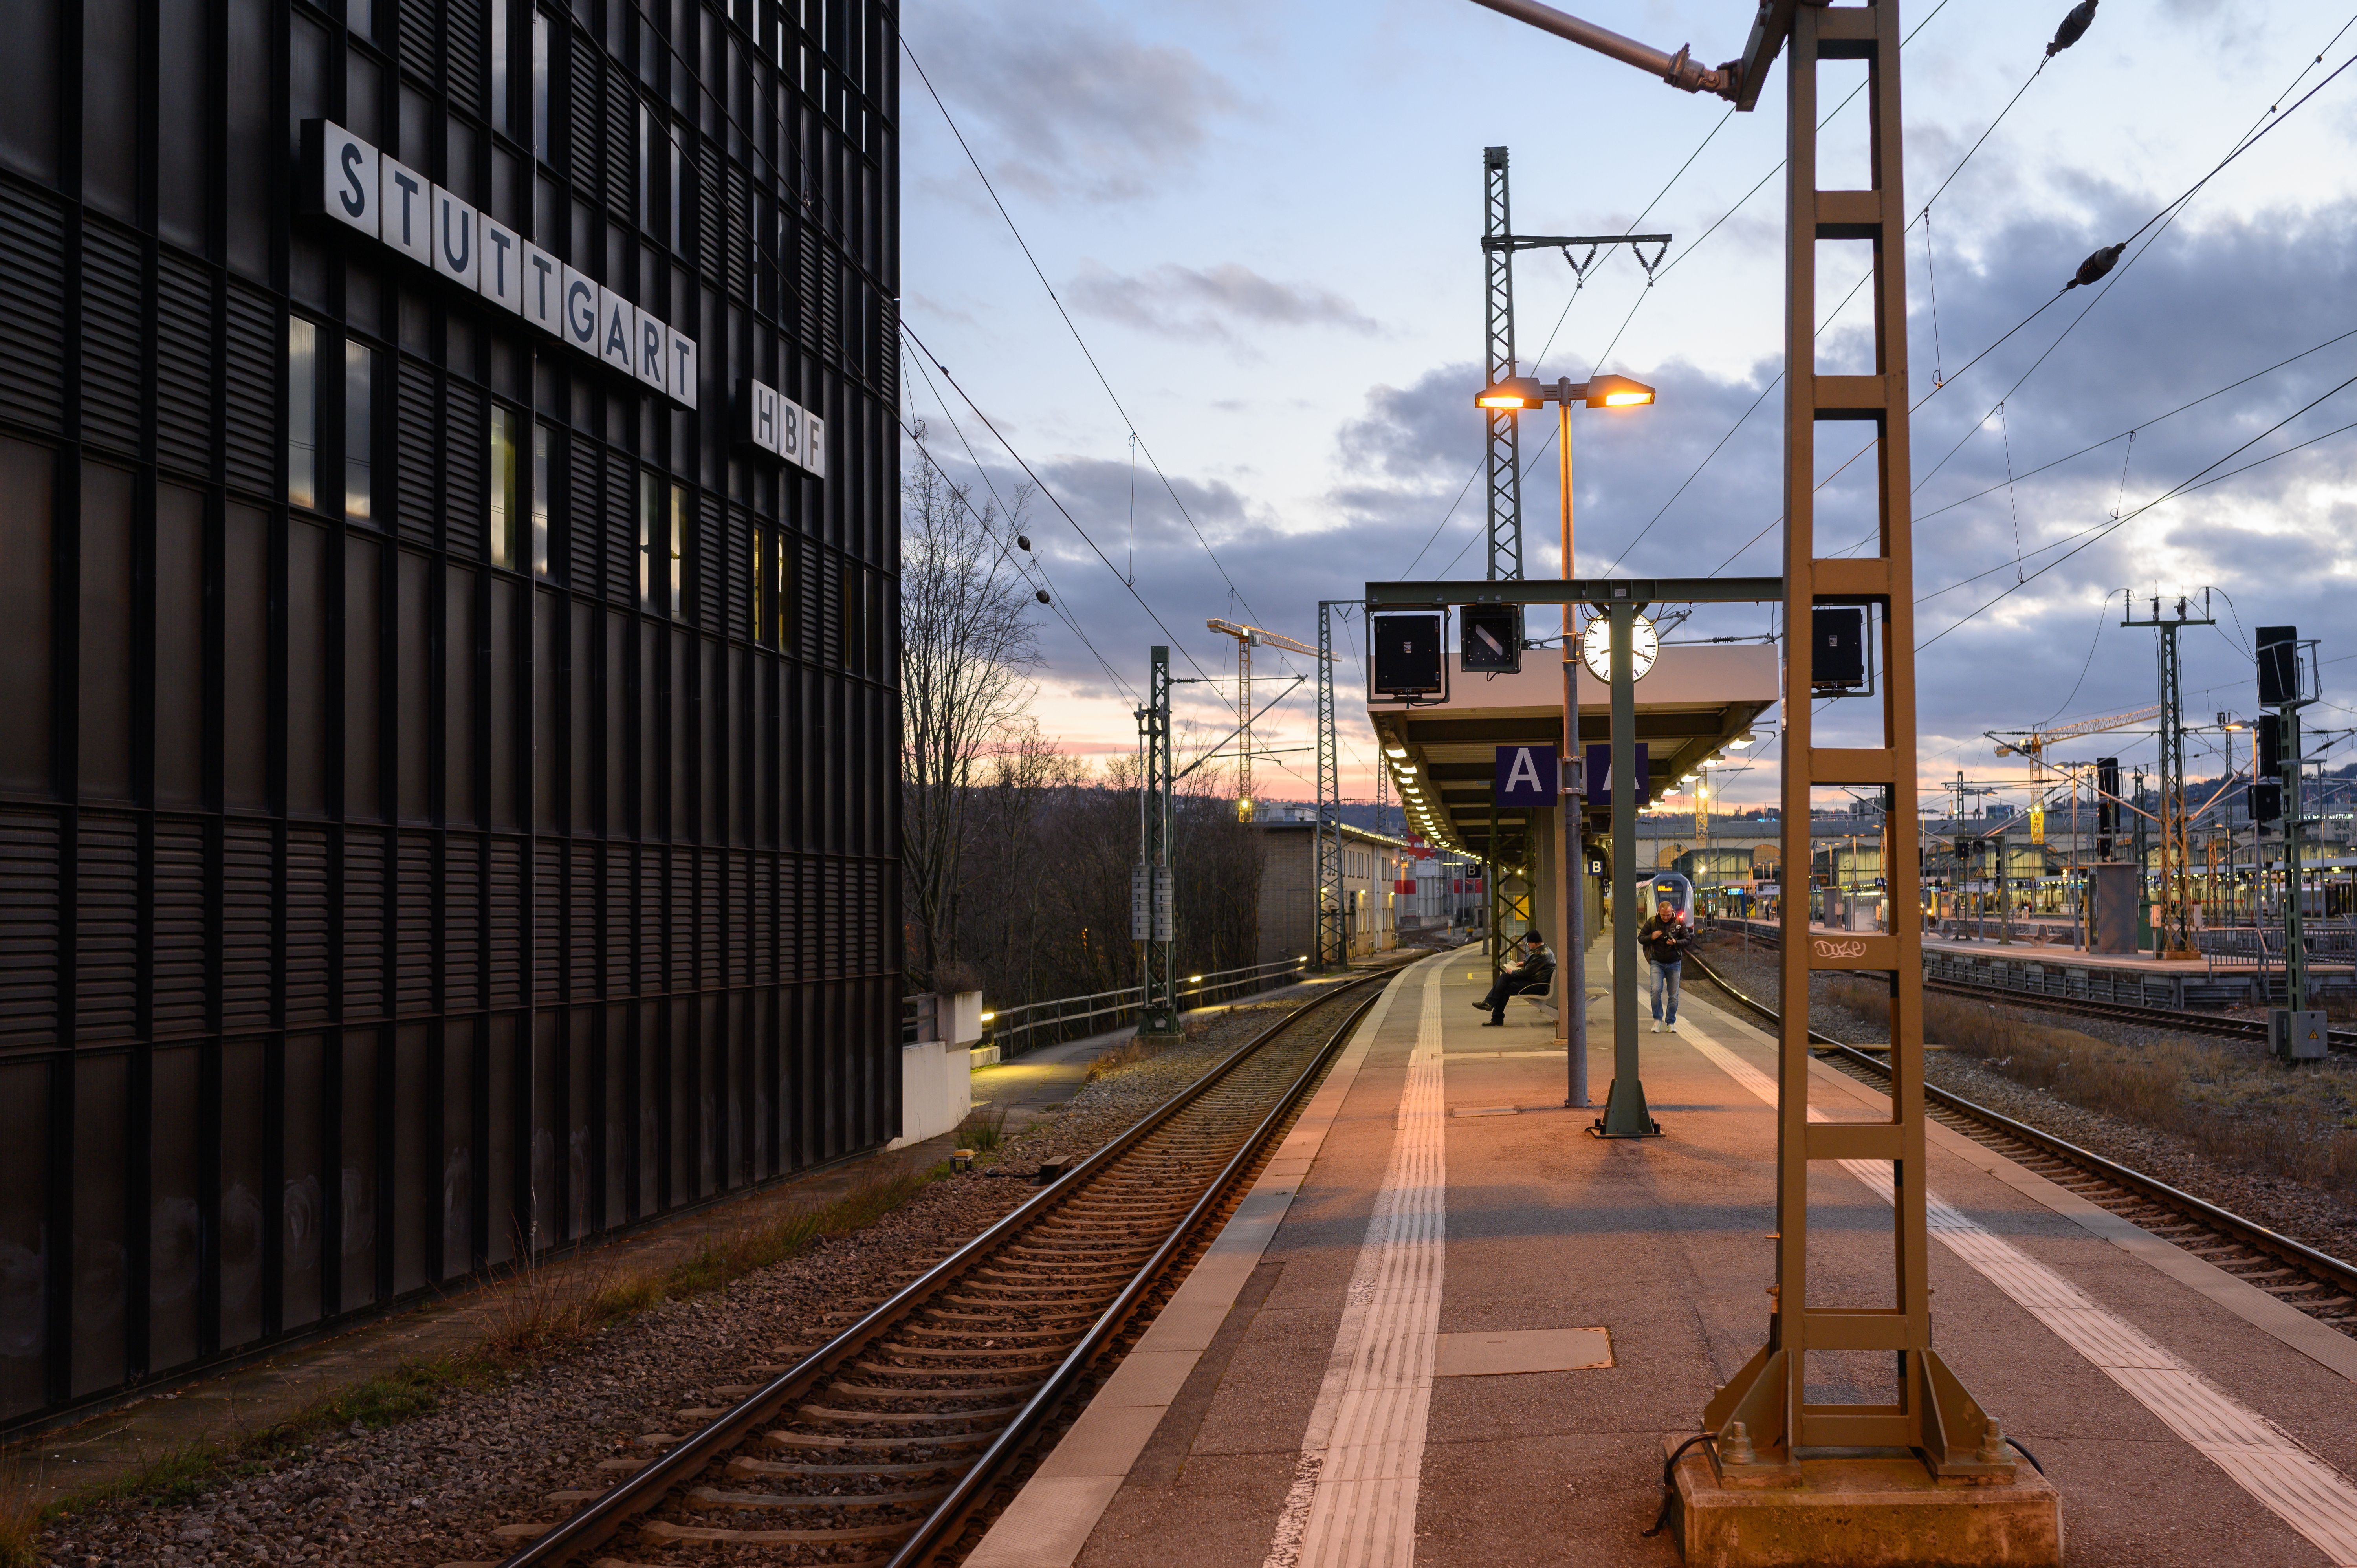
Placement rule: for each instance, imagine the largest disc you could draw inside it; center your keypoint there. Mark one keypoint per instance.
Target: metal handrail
(1109, 1004)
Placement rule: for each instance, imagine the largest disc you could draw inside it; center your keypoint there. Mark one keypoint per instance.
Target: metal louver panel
(106, 930)
(581, 164)
(364, 871)
(184, 367)
(416, 459)
(622, 145)
(183, 959)
(247, 886)
(506, 925)
(417, 51)
(32, 309)
(413, 964)
(462, 922)
(583, 516)
(308, 932)
(250, 390)
(113, 338)
(465, 437)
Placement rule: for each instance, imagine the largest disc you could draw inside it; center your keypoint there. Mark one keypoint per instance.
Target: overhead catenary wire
(1008, 447)
(2088, 536)
(1055, 596)
(1070, 326)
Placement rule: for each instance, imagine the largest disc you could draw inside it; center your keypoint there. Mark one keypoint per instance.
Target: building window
(646, 170)
(507, 511)
(360, 431)
(678, 545)
(649, 518)
(302, 413)
(540, 86)
(677, 158)
(542, 439)
(758, 631)
(360, 15)
(500, 65)
(847, 632)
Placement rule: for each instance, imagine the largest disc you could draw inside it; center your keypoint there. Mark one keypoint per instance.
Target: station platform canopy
(1696, 702)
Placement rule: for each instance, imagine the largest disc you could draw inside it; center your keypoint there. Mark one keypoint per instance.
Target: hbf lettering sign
(353, 183)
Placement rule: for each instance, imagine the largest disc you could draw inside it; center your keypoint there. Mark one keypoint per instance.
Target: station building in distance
(448, 665)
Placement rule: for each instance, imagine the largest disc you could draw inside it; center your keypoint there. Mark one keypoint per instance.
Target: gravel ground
(2304, 1213)
(429, 1492)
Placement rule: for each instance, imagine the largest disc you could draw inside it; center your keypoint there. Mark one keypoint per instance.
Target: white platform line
(1353, 1502)
(2261, 1459)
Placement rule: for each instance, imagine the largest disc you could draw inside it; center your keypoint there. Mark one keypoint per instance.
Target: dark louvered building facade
(446, 780)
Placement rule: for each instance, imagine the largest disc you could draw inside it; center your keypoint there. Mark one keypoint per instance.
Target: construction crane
(1247, 637)
(2032, 743)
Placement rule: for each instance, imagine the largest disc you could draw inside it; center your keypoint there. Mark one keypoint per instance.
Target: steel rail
(596, 1521)
(2250, 1232)
(949, 1516)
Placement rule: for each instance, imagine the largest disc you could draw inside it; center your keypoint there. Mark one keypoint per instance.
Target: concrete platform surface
(1294, 1404)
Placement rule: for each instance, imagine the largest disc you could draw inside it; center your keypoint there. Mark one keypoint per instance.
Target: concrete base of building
(1865, 1509)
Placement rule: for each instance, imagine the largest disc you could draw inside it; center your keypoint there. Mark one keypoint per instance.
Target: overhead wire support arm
(1678, 70)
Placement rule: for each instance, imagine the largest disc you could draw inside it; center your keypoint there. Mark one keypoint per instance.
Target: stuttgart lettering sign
(353, 183)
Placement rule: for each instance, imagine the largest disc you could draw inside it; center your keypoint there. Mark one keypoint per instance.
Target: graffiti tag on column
(1852, 949)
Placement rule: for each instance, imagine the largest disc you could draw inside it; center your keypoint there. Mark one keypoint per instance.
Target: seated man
(1535, 972)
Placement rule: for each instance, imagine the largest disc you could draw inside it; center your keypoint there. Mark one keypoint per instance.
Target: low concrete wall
(936, 1076)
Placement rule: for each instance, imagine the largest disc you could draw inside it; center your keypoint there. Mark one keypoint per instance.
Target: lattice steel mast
(1330, 945)
(1505, 477)
(2174, 928)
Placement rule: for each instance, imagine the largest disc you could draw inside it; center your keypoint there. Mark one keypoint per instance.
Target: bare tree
(967, 646)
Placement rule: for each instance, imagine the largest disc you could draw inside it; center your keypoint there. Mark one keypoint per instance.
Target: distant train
(1669, 887)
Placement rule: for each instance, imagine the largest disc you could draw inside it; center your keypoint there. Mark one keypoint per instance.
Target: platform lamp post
(1571, 975)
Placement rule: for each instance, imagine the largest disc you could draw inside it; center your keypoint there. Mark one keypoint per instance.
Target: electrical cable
(1055, 598)
(967, 398)
(2104, 270)
(1128, 423)
(2091, 536)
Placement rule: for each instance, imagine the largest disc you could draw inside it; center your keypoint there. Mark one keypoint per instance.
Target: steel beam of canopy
(1634, 591)
(1625, 1114)
(1333, 945)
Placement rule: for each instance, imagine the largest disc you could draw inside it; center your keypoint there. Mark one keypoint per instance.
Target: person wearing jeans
(1664, 938)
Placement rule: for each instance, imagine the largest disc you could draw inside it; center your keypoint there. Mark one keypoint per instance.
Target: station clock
(1596, 647)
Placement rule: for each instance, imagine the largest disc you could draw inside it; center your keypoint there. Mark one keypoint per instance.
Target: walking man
(1665, 939)
(1534, 973)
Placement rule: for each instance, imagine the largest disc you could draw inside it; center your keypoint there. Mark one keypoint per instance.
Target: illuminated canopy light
(1617, 391)
(1513, 393)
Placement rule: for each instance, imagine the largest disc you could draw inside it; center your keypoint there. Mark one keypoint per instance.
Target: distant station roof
(1695, 700)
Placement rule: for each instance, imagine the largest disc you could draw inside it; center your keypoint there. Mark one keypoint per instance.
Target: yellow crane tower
(1247, 637)
(2032, 743)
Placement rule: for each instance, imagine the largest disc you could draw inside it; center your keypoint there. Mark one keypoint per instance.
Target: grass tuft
(984, 1128)
(2249, 1111)
(20, 1518)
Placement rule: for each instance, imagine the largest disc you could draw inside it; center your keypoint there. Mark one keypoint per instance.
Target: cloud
(1067, 101)
(1192, 302)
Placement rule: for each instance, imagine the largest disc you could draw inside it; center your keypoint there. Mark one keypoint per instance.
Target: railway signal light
(1489, 639)
(2266, 801)
(2270, 762)
(2278, 650)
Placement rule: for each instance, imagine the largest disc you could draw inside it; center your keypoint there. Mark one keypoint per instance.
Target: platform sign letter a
(1525, 775)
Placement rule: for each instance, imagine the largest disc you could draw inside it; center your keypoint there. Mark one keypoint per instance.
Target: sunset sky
(1263, 223)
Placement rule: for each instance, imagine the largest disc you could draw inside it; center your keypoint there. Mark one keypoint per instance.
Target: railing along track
(2318, 1284)
(928, 1399)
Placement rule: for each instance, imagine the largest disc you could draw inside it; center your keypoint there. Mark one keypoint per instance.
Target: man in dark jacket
(1534, 974)
(1665, 939)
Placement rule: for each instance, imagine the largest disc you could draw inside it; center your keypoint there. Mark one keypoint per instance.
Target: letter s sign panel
(340, 176)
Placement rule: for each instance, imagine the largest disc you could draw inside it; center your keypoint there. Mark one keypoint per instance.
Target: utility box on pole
(2296, 1035)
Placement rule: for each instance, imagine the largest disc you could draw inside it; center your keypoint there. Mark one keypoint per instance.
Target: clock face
(1596, 647)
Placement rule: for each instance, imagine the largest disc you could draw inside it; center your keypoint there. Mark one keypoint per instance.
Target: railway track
(2341, 1042)
(880, 1445)
(2322, 1286)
